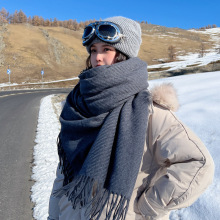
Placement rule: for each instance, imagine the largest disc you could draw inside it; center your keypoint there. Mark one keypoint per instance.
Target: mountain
(27, 49)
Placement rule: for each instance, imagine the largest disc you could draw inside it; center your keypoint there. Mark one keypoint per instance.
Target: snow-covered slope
(190, 60)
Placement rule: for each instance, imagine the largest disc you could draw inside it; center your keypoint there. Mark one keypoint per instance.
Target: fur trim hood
(166, 96)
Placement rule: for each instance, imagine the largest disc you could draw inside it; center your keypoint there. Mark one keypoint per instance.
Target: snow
(214, 33)
(8, 84)
(194, 59)
(199, 97)
(188, 60)
(45, 82)
(45, 158)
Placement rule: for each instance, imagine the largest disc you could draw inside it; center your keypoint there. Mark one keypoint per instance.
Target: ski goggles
(104, 30)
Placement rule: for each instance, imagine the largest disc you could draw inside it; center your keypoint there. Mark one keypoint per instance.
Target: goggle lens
(107, 31)
(88, 30)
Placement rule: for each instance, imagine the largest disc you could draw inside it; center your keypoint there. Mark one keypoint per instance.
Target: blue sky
(170, 13)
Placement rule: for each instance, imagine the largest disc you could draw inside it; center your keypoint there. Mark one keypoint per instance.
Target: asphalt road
(18, 121)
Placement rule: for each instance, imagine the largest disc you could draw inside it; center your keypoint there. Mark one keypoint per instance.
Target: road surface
(18, 121)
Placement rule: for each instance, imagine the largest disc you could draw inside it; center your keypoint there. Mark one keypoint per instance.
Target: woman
(123, 152)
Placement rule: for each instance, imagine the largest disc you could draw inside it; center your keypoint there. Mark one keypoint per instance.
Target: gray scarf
(103, 131)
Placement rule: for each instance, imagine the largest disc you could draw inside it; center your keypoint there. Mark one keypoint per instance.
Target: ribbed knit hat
(131, 40)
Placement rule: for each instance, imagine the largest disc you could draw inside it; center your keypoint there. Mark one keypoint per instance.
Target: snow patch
(45, 158)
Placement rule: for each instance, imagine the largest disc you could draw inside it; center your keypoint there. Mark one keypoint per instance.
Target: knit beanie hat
(131, 40)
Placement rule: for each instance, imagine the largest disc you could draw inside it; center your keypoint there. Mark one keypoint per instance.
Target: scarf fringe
(66, 168)
(86, 192)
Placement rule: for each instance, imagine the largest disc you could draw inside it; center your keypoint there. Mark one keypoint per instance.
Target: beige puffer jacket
(176, 167)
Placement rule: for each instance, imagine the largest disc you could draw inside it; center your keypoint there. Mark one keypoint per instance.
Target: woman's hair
(119, 57)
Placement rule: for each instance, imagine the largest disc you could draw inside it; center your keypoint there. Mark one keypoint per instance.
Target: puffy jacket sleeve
(182, 166)
(53, 203)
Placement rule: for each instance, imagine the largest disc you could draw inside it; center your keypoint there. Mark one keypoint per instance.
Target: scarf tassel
(87, 193)
(66, 168)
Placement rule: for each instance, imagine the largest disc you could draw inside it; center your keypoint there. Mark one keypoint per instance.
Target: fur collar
(166, 96)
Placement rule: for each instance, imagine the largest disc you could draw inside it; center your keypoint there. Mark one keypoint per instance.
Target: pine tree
(55, 22)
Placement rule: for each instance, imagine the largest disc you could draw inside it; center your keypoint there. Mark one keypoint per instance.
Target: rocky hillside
(59, 51)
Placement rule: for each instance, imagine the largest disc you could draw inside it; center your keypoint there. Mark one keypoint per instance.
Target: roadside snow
(45, 82)
(8, 84)
(45, 158)
(199, 97)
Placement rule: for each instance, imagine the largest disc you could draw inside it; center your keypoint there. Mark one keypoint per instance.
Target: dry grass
(159, 69)
(59, 51)
(27, 51)
(157, 39)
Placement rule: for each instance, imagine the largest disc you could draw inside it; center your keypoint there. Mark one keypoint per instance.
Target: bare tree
(36, 20)
(14, 18)
(81, 24)
(202, 50)
(47, 23)
(172, 53)
(87, 23)
(41, 21)
(75, 25)
(65, 23)
(70, 24)
(3, 16)
(60, 23)
(29, 20)
(22, 18)
(55, 22)
(208, 26)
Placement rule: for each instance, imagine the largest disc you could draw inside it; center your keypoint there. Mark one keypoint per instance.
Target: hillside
(28, 49)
